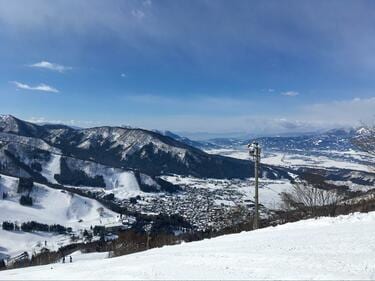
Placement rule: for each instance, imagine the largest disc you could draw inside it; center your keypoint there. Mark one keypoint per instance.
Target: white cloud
(71, 122)
(138, 14)
(123, 75)
(290, 93)
(51, 66)
(41, 87)
(324, 116)
(242, 124)
(215, 114)
(344, 112)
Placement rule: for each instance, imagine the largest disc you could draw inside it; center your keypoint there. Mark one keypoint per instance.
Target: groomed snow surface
(326, 248)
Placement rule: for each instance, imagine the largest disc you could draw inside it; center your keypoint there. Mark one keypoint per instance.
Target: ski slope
(123, 184)
(328, 248)
(50, 206)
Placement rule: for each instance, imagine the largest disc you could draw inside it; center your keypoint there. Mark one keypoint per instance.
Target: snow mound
(328, 248)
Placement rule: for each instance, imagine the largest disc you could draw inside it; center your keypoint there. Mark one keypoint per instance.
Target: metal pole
(254, 151)
(256, 196)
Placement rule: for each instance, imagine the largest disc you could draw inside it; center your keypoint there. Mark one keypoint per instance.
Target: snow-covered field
(341, 248)
(319, 161)
(361, 164)
(353, 160)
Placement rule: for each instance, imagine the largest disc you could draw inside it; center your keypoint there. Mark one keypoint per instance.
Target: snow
(52, 168)
(350, 159)
(55, 206)
(269, 190)
(50, 206)
(296, 160)
(340, 248)
(13, 243)
(20, 141)
(125, 185)
(231, 152)
(79, 256)
(130, 140)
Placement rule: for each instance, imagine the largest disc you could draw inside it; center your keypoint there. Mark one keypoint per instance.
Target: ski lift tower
(254, 151)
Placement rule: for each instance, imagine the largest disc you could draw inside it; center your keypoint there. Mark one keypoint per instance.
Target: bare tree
(309, 198)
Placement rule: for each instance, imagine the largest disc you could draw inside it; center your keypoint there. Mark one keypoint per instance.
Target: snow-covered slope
(50, 206)
(13, 243)
(328, 248)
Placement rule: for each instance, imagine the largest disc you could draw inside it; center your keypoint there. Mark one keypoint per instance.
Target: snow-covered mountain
(335, 139)
(338, 248)
(26, 148)
(342, 155)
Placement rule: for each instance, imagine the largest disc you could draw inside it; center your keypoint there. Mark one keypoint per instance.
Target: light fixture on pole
(254, 151)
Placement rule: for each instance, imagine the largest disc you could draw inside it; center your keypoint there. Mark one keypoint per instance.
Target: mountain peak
(6, 117)
(13, 125)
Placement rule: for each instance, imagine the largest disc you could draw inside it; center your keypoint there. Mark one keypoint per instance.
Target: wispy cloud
(290, 94)
(71, 122)
(345, 112)
(51, 66)
(41, 87)
(138, 14)
(123, 75)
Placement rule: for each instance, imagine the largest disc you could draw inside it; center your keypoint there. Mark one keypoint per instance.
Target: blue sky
(189, 66)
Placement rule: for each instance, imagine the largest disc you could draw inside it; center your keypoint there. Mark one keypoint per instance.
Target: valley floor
(326, 248)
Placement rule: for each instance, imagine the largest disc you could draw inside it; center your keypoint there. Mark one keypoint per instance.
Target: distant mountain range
(335, 139)
(90, 157)
(98, 156)
(349, 146)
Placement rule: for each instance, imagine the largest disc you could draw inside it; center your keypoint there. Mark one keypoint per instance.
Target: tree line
(32, 226)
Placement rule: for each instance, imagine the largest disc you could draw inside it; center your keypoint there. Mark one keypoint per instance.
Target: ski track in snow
(52, 168)
(338, 248)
